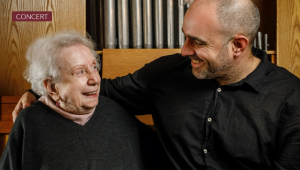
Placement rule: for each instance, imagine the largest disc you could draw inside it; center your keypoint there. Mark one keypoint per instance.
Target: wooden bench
(7, 105)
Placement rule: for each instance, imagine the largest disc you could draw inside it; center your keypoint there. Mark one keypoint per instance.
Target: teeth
(196, 61)
(90, 93)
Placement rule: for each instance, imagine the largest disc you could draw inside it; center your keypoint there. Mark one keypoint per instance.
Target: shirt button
(205, 151)
(219, 90)
(209, 119)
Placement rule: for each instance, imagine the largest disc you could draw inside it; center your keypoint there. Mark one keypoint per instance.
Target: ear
(51, 88)
(240, 43)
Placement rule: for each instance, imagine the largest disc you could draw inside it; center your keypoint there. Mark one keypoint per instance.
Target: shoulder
(33, 112)
(107, 104)
(111, 110)
(28, 120)
(283, 77)
(36, 107)
(271, 73)
(284, 85)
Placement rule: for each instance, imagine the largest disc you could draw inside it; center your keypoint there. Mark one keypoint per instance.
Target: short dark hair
(238, 17)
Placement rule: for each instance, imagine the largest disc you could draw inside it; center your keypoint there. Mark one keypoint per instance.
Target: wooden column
(288, 35)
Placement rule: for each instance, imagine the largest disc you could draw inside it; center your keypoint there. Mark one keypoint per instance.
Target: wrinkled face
(80, 81)
(204, 45)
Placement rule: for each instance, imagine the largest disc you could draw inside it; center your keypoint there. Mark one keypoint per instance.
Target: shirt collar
(256, 78)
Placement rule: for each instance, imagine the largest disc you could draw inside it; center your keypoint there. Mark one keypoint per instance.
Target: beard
(222, 69)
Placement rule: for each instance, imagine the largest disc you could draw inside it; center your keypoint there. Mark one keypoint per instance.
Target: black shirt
(251, 124)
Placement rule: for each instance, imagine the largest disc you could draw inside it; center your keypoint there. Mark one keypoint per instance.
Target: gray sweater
(111, 139)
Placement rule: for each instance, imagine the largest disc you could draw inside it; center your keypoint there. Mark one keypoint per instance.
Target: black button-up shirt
(251, 124)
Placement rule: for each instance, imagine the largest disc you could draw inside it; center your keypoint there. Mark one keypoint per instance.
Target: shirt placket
(208, 142)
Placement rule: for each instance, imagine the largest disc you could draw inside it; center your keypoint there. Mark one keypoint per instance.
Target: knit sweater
(111, 139)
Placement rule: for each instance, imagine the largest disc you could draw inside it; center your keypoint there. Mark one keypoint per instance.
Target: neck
(77, 118)
(241, 70)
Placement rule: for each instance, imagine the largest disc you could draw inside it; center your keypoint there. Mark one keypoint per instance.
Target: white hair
(42, 58)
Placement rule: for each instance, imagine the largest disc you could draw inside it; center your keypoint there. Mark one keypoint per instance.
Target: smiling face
(78, 89)
(219, 68)
(209, 54)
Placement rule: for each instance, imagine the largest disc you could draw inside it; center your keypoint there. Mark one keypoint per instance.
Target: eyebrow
(195, 38)
(76, 67)
(83, 65)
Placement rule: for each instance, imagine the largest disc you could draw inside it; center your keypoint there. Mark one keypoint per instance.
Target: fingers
(26, 104)
(16, 111)
(25, 101)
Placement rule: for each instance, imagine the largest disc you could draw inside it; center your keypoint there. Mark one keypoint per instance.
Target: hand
(26, 100)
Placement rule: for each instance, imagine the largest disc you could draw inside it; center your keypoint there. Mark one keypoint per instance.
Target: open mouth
(197, 61)
(90, 93)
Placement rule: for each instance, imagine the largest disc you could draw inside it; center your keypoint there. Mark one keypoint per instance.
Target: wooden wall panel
(15, 37)
(120, 62)
(288, 35)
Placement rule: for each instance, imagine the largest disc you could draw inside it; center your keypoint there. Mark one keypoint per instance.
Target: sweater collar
(79, 119)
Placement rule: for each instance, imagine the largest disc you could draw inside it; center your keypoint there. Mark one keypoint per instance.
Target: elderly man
(223, 106)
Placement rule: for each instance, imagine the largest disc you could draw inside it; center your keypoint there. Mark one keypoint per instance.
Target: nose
(93, 78)
(187, 49)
